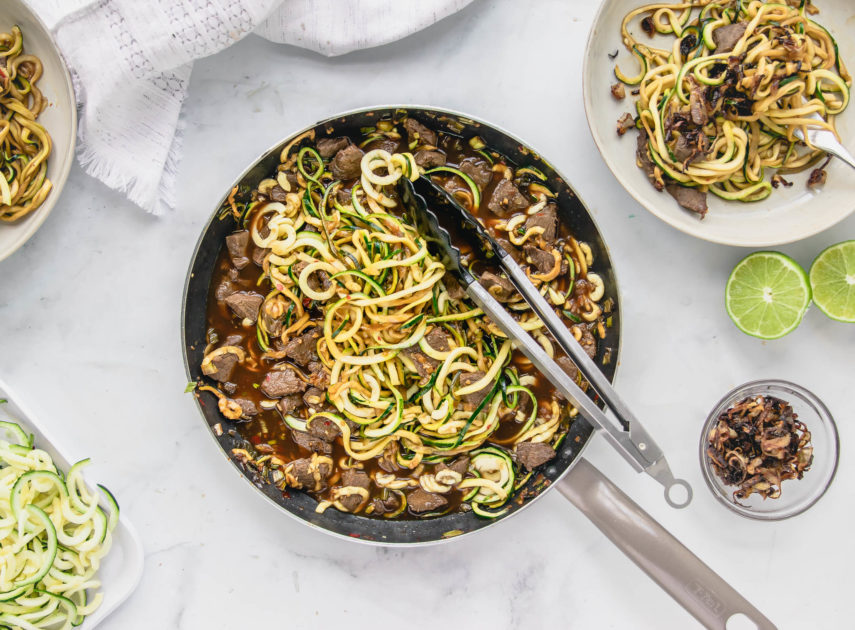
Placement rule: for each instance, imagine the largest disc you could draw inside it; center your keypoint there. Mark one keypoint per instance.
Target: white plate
(122, 568)
(59, 118)
(787, 215)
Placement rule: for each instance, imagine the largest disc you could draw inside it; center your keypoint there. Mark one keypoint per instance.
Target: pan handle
(695, 586)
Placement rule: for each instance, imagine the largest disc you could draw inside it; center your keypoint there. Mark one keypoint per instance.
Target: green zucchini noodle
(24, 143)
(53, 536)
(723, 102)
(345, 262)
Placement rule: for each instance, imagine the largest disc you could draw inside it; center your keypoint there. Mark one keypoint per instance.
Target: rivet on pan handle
(696, 587)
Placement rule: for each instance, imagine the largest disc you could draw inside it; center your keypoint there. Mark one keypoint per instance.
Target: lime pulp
(832, 280)
(767, 294)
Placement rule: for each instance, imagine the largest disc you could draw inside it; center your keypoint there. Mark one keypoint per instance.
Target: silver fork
(825, 140)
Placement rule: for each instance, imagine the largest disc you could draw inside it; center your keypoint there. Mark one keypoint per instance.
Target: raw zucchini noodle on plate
(721, 104)
(408, 399)
(53, 536)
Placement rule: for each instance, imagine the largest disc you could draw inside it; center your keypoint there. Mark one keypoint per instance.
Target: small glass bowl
(797, 495)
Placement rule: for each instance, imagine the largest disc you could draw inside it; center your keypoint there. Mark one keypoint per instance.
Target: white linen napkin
(131, 60)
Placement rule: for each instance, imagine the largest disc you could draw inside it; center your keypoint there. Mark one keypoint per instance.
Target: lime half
(767, 294)
(832, 278)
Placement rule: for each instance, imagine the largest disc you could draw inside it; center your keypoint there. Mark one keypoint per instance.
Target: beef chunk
(328, 147)
(523, 408)
(310, 442)
(515, 252)
(318, 280)
(224, 365)
(568, 366)
(389, 504)
(429, 159)
(499, 286)
(459, 465)
(542, 260)
(697, 103)
(425, 365)
(347, 163)
(642, 155)
(479, 170)
(248, 407)
(323, 428)
(224, 290)
(303, 349)
(315, 399)
(470, 401)
(420, 501)
(318, 376)
(290, 403)
(547, 218)
(273, 325)
(690, 198)
(388, 461)
(533, 454)
(588, 342)
(344, 196)
(690, 147)
(301, 474)
(387, 144)
(437, 339)
(417, 132)
(238, 245)
(506, 199)
(279, 194)
(280, 383)
(455, 291)
(355, 478)
(726, 37)
(245, 304)
(259, 254)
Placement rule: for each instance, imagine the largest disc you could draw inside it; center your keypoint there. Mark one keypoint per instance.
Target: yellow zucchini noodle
(723, 102)
(53, 536)
(24, 143)
(344, 262)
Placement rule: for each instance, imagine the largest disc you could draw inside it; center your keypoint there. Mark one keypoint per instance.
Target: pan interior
(572, 212)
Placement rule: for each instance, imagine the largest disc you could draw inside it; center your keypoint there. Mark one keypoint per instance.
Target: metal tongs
(423, 199)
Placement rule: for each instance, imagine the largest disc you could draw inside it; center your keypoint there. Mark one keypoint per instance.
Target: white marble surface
(90, 337)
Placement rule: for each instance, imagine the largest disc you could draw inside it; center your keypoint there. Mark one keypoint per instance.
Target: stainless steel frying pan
(688, 580)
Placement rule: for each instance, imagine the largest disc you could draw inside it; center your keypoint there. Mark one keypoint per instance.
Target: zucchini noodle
(723, 102)
(24, 143)
(416, 380)
(53, 536)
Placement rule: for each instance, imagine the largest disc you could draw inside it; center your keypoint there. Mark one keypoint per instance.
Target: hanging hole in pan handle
(678, 494)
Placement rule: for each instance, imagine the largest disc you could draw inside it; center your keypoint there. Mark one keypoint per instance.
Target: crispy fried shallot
(758, 443)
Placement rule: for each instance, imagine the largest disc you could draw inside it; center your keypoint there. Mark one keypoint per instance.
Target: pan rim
(266, 153)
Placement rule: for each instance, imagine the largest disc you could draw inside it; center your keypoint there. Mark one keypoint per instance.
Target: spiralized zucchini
(343, 262)
(53, 536)
(783, 69)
